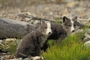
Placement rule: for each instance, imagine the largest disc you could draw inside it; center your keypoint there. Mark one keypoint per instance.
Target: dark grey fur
(61, 31)
(31, 43)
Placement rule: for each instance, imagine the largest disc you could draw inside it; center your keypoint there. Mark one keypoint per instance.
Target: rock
(0, 5)
(1, 41)
(16, 59)
(26, 59)
(87, 44)
(72, 4)
(86, 39)
(87, 36)
(84, 21)
(78, 31)
(10, 39)
(2, 58)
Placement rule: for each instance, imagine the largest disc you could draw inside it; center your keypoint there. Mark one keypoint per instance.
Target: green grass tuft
(70, 48)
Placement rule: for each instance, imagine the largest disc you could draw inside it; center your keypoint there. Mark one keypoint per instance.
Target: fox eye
(74, 25)
(45, 27)
(51, 28)
(69, 25)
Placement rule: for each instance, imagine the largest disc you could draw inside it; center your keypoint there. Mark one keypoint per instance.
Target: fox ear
(65, 19)
(75, 18)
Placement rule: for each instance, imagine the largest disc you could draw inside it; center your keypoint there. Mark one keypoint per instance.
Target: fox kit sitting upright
(30, 45)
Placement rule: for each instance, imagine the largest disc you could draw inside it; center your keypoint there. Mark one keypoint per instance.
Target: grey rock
(16, 59)
(86, 39)
(87, 36)
(26, 59)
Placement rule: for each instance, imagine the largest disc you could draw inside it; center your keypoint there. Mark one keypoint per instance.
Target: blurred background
(23, 3)
(50, 9)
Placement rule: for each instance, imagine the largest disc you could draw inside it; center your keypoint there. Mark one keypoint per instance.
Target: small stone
(26, 59)
(16, 59)
(71, 4)
(87, 44)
